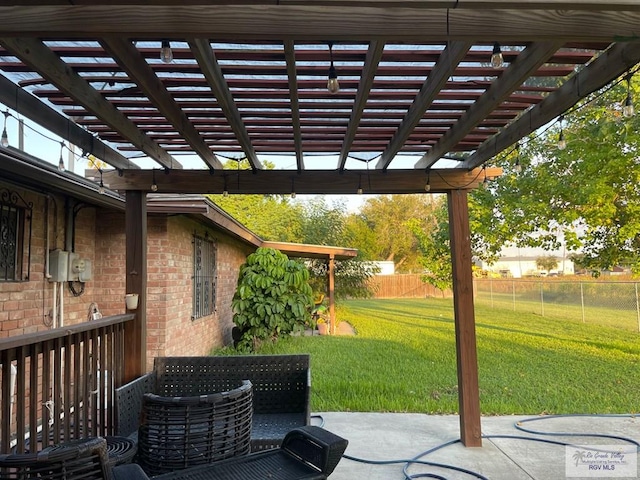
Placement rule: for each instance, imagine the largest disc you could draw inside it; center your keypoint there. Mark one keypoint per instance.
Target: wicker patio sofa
(281, 390)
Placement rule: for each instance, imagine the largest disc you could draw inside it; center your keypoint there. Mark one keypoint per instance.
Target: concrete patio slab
(391, 436)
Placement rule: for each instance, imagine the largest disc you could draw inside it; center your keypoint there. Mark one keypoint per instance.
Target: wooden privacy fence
(409, 285)
(58, 385)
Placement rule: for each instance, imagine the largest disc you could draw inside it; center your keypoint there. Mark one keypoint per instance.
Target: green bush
(273, 298)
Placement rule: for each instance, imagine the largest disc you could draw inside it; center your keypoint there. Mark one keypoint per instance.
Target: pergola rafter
(35, 53)
(150, 85)
(522, 67)
(452, 55)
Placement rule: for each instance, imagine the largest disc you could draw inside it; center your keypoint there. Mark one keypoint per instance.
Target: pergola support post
(466, 352)
(331, 289)
(136, 282)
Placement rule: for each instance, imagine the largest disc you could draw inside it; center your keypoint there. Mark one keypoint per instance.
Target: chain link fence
(614, 304)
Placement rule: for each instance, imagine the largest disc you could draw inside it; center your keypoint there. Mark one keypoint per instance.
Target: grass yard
(403, 360)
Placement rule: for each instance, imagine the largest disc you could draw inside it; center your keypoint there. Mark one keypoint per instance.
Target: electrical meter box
(58, 265)
(79, 268)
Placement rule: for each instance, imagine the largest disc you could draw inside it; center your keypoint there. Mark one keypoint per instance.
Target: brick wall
(26, 307)
(100, 237)
(171, 331)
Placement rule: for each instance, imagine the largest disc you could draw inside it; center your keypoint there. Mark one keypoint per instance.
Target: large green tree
(384, 228)
(272, 217)
(585, 194)
(326, 224)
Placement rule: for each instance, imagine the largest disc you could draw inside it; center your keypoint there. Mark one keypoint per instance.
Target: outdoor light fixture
(562, 143)
(293, 190)
(225, 190)
(517, 167)
(359, 191)
(627, 108)
(166, 54)
(101, 187)
(4, 141)
(154, 185)
(332, 83)
(61, 161)
(497, 60)
(427, 186)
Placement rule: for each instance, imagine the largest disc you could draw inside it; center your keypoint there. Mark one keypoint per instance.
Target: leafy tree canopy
(272, 217)
(587, 193)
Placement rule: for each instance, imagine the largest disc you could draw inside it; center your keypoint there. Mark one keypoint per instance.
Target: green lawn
(403, 360)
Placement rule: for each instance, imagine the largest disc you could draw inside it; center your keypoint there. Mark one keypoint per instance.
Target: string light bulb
(154, 185)
(166, 54)
(517, 167)
(628, 109)
(332, 83)
(427, 186)
(4, 141)
(61, 160)
(293, 190)
(562, 143)
(359, 191)
(101, 187)
(497, 60)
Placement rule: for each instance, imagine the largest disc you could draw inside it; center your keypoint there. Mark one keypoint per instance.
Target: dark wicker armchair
(82, 459)
(180, 432)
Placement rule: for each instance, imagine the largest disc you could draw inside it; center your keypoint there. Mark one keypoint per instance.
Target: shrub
(273, 298)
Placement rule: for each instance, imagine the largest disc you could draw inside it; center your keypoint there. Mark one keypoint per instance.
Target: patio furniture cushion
(180, 432)
(309, 453)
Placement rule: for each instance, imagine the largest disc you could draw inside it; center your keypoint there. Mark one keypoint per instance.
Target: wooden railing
(58, 385)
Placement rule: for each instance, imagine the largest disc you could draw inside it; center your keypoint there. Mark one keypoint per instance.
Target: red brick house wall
(99, 236)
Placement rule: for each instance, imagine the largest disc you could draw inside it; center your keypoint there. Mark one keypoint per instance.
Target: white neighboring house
(387, 267)
(517, 262)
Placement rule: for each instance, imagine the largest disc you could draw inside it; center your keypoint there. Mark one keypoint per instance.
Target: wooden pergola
(249, 79)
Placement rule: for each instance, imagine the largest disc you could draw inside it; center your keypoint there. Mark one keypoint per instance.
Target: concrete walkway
(387, 436)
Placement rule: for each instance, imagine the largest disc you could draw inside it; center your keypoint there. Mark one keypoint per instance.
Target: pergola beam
(292, 77)
(353, 21)
(36, 54)
(583, 5)
(203, 53)
(524, 65)
(19, 100)
(604, 69)
(306, 182)
(446, 66)
(372, 59)
(129, 58)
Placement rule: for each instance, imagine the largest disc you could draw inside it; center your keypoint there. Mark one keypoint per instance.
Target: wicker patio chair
(180, 432)
(281, 388)
(82, 459)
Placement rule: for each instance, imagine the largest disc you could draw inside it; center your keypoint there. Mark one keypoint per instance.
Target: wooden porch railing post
(136, 282)
(467, 359)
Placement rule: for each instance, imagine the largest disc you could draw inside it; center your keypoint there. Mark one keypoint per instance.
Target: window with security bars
(204, 276)
(14, 212)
